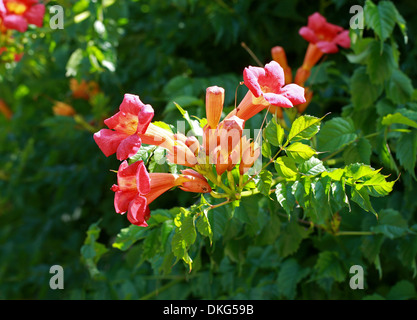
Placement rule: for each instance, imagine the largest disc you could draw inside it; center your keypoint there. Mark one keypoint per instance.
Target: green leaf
(377, 186)
(289, 276)
(304, 127)
(360, 151)
(407, 151)
(398, 118)
(187, 230)
(312, 167)
(381, 18)
(291, 237)
(285, 167)
(285, 197)
(270, 231)
(336, 134)
(329, 265)
(361, 197)
(360, 83)
(204, 227)
(274, 133)
(194, 124)
(402, 290)
(399, 88)
(380, 64)
(128, 236)
(179, 249)
(299, 151)
(391, 224)
(264, 182)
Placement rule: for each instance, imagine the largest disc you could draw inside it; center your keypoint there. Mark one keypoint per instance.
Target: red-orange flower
(136, 189)
(18, 14)
(122, 137)
(326, 36)
(267, 87)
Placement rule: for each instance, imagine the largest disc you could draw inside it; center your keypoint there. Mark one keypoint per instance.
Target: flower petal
(128, 147)
(308, 34)
(34, 15)
(138, 211)
(126, 176)
(126, 120)
(327, 46)
(15, 22)
(294, 93)
(143, 180)
(144, 118)
(278, 100)
(250, 77)
(343, 39)
(122, 200)
(274, 77)
(316, 21)
(108, 140)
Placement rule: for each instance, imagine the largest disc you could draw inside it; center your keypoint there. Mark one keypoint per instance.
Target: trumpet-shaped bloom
(267, 87)
(326, 36)
(278, 54)
(136, 189)
(18, 14)
(214, 105)
(122, 137)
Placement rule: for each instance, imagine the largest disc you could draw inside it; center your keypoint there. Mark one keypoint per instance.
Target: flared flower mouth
(136, 189)
(267, 87)
(125, 127)
(326, 36)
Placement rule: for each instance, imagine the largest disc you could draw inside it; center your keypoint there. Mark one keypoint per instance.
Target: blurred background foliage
(55, 196)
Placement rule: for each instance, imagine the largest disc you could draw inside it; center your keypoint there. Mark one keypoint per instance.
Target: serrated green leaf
(402, 290)
(128, 236)
(274, 133)
(179, 249)
(380, 63)
(204, 227)
(391, 224)
(289, 275)
(357, 171)
(399, 88)
(361, 197)
(285, 167)
(360, 83)
(381, 18)
(329, 265)
(336, 134)
(285, 198)
(299, 151)
(311, 167)
(407, 151)
(291, 237)
(377, 186)
(359, 151)
(264, 182)
(187, 230)
(304, 127)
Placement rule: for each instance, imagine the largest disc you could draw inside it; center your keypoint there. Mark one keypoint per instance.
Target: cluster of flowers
(323, 38)
(18, 15)
(223, 145)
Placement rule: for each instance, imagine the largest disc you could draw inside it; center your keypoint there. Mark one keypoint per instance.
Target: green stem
(220, 204)
(354, 233)
(163, 288)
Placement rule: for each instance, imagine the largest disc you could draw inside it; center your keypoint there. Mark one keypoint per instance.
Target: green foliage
(336, 187)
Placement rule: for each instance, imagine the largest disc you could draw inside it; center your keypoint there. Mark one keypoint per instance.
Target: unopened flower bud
(214, 105)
